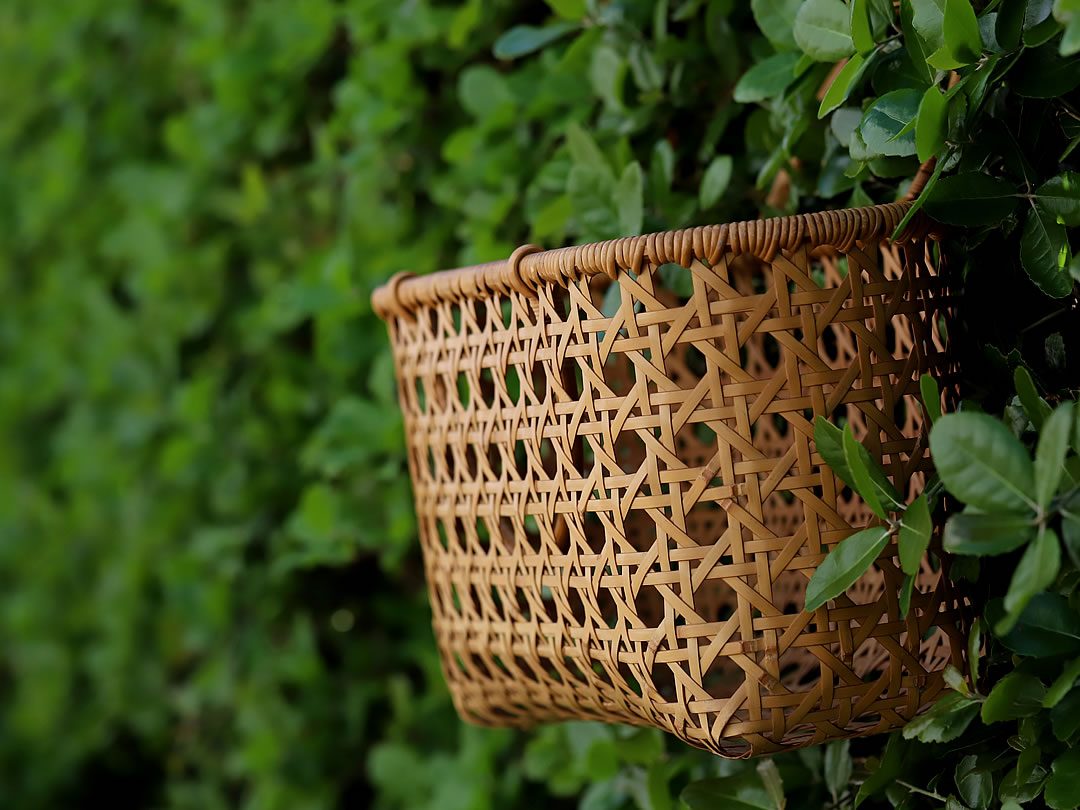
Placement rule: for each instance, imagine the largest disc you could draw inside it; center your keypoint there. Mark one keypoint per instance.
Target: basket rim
(530, 266)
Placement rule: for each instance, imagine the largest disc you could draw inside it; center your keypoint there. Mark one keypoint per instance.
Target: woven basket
(619, 497)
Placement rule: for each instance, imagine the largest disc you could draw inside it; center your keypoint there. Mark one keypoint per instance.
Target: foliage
(213, 594)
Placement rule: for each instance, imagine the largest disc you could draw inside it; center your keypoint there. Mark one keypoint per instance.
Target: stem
(914, 789)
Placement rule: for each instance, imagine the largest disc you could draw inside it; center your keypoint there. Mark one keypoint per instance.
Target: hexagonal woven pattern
(618, 493)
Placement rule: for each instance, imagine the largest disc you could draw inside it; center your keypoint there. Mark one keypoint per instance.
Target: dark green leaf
(1050, 453)
(829, 441)
(1016, 695)
(1037, 569)
(917, 47)
(1060, 198)
(1010, 24)
(982, 463)
(524, 39)
(931, 125)
(715, 181)
(1036, 407)
(886, 118)
(974, 649)
(1065, 716)
(931, 397)
(1044, 73)
(1070, 536)
(1062, 790)
(944, 721)
(767, 78)
(864, 485)
(960, 28)
(1039, 23)
(847, 561)
(822, 30)
(1046, 627)
(1044, 253)
(976, 786)
(1063, 684)
(971, 198)
(915, 530)
(896, 756)
(905, 594)
(987, 534)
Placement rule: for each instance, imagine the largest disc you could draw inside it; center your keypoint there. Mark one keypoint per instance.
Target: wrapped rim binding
(619, 498)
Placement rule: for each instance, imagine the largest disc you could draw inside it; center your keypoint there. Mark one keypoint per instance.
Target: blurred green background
(212, 591)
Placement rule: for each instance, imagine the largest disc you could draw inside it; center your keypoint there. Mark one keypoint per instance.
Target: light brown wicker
(619, 497)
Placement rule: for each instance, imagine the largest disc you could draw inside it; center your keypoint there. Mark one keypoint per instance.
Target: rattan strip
(530, 265)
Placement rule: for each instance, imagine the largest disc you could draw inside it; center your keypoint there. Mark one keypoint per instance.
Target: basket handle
(922, 176)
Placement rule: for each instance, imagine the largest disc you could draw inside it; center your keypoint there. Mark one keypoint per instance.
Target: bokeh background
(210, 589)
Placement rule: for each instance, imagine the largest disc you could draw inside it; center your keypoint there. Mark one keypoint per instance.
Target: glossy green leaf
(987, 534)
(931, 397)
(1037, 409)
(1014, 696)
(886, 117)
(842, 86)
(975, 785)
(944, 721)
(1062, 791)
(906, 590)
(767, 78)
(862, 36)
(1009, 24)
(982, 463)
(1044, 253)
(1039, 22)
(917, 47)
(1050, 452)
(1059, 197)
(1047, 626)
(1044, 73)
(915, 531)
(971, 198)
(931, 126)
(742, 791)
(715, 182)
(860, 473)
(963, 44)
(1065, 717)
(822, 30)
(847, 561)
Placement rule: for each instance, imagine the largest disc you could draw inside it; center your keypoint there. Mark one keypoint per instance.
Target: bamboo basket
(619, 498)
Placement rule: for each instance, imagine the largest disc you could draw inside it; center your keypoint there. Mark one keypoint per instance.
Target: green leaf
(1039, 23)
(976, 786)
(841, 87)
(1044, 253)
(1070, 42)
(905, 595)
(583, 149)
(884, 120)
(894, 759)
(1070, 535)
(822, 30)
(838, 767)
(915, 530)
(592, 192)
(848, 561)
(982, 463)
(629, 199)
(775, 19)
(1037, 409)
(931, 128)
(767, 78)
(931, 397)
(917, 47)
(971, 198)
(774, 783)
(1009, 24)
(1044, 73)
(1065, 716)
(1037, 569)
(868, 474)
(986, 535)
(524, 39)
(568, 9)
(606, 72)
(963, 44)
(1062, 685)
(829, 441)
(864, 486)
(1062, 791)
(742, 791)
(1050, 453)
(944, 721)
(1059, 197)
(715, 182)
(1014, 696)
(1046, 627)
(861, 35)
(939, 166)
(974, 647)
